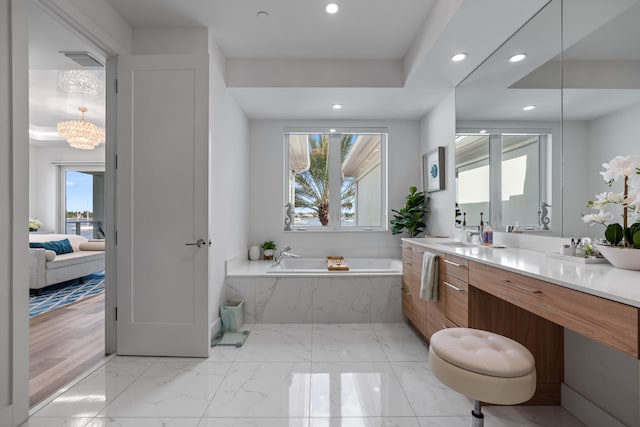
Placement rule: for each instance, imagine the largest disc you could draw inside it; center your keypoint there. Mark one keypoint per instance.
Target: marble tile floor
(289, 375)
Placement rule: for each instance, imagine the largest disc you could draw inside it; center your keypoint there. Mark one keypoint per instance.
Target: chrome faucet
(472, 230)
(282, 254)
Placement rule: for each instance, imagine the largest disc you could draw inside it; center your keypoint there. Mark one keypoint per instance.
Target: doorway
(67, 201)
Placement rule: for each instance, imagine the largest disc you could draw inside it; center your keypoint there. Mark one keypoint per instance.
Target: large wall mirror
(581, 73)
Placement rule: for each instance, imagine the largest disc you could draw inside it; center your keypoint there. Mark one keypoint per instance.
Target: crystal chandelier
(81, 134)
(80, 81)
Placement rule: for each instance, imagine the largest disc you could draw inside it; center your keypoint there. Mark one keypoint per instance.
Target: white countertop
(602, 280)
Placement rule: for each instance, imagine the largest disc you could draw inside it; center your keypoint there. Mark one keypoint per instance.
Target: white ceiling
(362, 29)
(48, 104)
(406, 45)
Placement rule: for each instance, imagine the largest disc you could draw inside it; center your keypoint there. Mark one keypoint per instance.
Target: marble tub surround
(602, 280)
(259, 385)
(342, 299)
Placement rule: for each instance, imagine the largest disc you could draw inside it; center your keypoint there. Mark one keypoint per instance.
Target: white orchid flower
(619, 167)
(598, 218)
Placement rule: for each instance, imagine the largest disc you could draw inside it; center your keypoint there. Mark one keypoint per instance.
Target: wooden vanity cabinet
(436, 318)
(412, 306)
(609, 322)
(426, 316)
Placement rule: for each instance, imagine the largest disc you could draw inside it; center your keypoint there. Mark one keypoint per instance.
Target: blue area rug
(65, 293)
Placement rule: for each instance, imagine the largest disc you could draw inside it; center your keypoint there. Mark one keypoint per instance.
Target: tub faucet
(282, 254)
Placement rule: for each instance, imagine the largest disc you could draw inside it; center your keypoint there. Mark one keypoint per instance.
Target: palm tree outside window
(337, 180)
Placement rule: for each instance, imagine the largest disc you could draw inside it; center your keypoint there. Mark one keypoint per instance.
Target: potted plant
(623, 240)
(411, 217)
(34, 224)
(268, 248)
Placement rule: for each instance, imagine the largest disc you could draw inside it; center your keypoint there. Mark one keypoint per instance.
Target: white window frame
(335, 178)
(63, 167)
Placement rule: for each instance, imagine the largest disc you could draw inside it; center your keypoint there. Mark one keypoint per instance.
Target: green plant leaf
(410, 217)
(636, 239)
(614, 234)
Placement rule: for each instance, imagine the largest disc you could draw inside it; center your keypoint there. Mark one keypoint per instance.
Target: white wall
(163, 41)
(43, 178)
(607, 377)
(438, 129)
(229, 179)
(267, 189)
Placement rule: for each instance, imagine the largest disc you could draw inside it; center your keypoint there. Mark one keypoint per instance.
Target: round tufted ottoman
(484, 366)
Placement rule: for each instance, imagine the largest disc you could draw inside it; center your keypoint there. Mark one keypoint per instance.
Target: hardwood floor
(64, 343)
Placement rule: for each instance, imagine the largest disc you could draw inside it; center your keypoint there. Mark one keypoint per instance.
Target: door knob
(199, 243)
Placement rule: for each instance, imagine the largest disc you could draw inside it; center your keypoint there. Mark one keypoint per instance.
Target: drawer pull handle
(524, 288)
(455, 264)
(454, 287)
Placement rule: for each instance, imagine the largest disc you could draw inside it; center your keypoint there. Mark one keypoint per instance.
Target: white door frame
(18, 407)
(73, 19)
(79, 23)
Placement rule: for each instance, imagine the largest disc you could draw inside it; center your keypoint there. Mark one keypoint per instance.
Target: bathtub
(368, 266)
(302, 290)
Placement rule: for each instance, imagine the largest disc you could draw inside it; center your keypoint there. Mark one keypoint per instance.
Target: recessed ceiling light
(336, 106)
(518, 57)
(459, 57)
(332, 8)
(483, 131)
(332, 130)
(529, 108)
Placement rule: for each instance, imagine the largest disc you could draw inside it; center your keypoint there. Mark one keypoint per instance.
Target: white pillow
(92, 246)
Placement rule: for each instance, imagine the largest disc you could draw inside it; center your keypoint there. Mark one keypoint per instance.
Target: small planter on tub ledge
(268, 249)
(621, 257)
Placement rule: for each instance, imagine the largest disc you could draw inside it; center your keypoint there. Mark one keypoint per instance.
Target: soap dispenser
(487, 235)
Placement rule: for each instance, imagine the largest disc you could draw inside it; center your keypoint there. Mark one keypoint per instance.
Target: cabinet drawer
(456, 301)
(457, 266)
(436, 320)
(602, 320)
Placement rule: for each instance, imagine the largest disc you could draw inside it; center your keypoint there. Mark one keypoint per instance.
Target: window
(511, 192)
(81, 195)
(337, 180)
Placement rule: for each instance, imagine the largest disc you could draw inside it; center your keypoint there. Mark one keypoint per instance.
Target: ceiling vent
(83, 59)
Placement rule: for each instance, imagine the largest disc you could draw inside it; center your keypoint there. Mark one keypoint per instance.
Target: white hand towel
(429, 279)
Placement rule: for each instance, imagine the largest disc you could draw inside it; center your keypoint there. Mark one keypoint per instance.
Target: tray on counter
(581, 260)
(337, 263)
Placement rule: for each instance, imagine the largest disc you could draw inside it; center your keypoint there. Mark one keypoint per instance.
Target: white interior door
(162, 202)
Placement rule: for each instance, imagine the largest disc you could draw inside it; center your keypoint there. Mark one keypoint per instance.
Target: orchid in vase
(627, 170)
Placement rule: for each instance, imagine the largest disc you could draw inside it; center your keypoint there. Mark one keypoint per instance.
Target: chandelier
(80, 133)
(80, 81)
